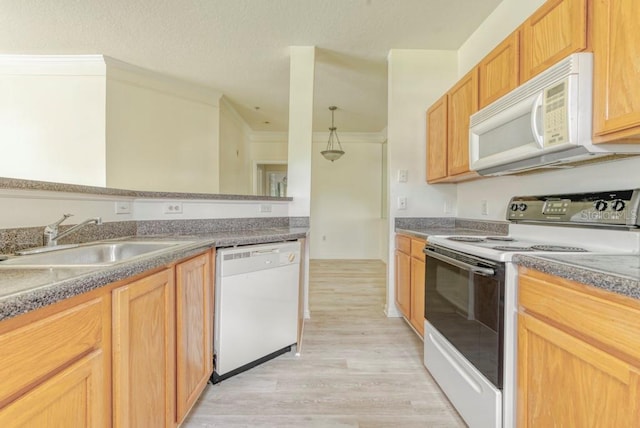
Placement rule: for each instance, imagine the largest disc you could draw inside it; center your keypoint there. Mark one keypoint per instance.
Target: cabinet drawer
(30, 353)
(597, 316)
(403, 243)
(417, 245)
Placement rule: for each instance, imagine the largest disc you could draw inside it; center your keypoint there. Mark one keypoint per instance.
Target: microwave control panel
(554, 108)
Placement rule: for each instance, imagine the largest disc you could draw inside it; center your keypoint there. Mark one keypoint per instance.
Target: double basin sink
(93, 254)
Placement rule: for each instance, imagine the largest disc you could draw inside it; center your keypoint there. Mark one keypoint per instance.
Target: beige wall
(52, 118)
(345, 202)
(235, 162)
(157, 140)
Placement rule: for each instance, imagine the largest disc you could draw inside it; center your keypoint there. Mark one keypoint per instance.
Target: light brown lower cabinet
(55, 366)
(578, 355)
(144, 352)
(129, 354)
(410, 272)
(194, 331)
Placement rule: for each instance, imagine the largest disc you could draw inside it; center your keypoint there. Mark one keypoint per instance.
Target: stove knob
(522, 207)
(617, 205)
(514, 207)
(600, 205)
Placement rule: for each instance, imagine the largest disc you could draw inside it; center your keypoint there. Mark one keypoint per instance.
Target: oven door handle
(466, 266)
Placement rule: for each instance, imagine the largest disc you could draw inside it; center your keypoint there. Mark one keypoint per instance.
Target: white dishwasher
(256, 305)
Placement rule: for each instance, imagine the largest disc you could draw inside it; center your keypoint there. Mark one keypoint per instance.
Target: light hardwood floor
(357, 368)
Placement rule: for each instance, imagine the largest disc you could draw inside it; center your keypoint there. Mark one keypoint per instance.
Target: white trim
(254, 170)
(351, 137)
(246, 129)
(127, 73)
(53, 65)
(268, 137)
(320, 137)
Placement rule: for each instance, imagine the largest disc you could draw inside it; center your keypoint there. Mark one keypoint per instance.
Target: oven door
(464, 302)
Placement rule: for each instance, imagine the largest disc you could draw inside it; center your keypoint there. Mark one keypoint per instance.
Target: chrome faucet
(51, 234)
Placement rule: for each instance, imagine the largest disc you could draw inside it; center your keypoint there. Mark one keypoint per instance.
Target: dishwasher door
(256, 305)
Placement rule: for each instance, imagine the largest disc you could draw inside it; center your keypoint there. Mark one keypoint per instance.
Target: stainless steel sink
(99, 254)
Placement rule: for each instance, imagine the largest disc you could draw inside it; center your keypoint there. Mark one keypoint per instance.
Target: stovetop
(537, 239)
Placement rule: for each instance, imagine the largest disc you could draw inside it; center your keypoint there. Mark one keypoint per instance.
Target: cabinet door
(554, 31)
(463, 102)
(144, 352)
(616, 75)
(417, 295)
(403, 283)
(564, 381)
(437, 140)
(194, 331)
(71, 398)
(498, 72)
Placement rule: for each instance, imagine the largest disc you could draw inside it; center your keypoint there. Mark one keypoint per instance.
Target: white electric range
(471, 292)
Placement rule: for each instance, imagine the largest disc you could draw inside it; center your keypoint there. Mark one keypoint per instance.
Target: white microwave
(544, 123)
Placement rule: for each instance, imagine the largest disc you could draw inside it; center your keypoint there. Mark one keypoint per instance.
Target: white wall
(266, 147)
(162, 134)
(497, 191)
(31, 208)
(52, 118)
(235, 163)
(345, 201)
(416, 79)
(301, 82)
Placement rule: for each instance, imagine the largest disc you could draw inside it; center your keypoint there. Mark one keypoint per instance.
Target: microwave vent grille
(561, 70)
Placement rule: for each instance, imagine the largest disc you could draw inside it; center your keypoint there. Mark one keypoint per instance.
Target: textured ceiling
(240, 47)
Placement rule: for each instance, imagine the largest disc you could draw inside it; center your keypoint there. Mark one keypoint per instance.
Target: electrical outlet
(172, 208)
(484, 207)
(123, 207)
(402, 202)
(265, 208)
(403, 175)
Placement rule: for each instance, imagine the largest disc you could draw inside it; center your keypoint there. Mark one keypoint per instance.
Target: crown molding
(321, 137)
(246, 129)
(127, 73)
(268, 137)
(52, 65)
(352, 137)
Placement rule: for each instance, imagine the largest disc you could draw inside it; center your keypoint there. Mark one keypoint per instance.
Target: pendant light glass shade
(334, 148)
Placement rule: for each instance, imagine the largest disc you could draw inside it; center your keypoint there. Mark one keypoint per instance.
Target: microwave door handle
(466, 266)
(537, 134)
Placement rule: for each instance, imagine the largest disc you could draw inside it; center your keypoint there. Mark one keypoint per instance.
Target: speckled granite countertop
(617, 273)
(424, 233)
(25, 289)
(20, 184)
(423, 227)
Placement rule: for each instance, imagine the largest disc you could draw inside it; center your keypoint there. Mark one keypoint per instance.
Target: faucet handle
(64, 217)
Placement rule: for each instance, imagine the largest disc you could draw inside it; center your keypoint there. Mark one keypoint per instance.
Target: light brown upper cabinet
(616, 49)
(463, 102)
(437, 140)
(448, 132)
(498, 72)
(558, 28)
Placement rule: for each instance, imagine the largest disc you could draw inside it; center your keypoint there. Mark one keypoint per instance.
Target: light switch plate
(402, 202)
(403, 175)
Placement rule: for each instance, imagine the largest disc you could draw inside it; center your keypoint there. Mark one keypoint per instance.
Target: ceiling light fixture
(334, 148)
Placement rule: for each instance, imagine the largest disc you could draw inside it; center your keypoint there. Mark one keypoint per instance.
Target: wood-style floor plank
(358, 368)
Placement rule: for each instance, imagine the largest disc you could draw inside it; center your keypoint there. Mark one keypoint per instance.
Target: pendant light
(334, 148)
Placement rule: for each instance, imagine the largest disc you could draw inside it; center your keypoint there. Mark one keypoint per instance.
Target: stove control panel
(615, 208)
